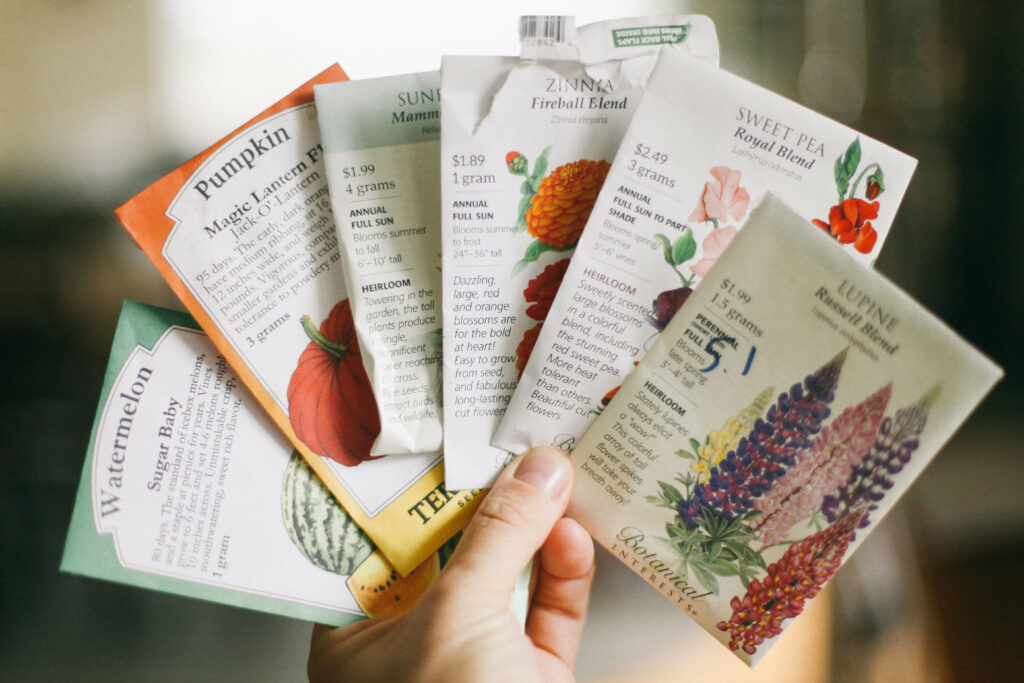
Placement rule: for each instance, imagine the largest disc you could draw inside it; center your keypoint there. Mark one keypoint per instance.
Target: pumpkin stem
(336, 350)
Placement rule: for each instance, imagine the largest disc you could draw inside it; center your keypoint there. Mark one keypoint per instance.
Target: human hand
(462, 627)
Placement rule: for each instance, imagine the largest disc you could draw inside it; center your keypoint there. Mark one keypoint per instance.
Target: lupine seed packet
(787, 406)
(244, 234)
(381, 141)
(526, 145)
(701, 145)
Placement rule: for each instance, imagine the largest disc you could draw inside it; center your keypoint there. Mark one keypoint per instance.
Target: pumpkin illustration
(330, 402)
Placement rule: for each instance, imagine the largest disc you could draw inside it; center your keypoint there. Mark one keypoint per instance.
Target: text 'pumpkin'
(330, 402)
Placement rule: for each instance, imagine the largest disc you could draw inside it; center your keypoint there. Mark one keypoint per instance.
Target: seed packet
(244, 234)
(381, 141)
(777, 418)
(189, 488)
(526, 146)
(703, 142)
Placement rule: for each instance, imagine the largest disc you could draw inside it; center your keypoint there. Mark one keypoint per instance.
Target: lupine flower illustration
(541, 290)
(726, 438)
(525, 347)
(822, 468)
(768, 450)
(713, 246)
(564, 199)
(895, 443)
(666, 305)
(722, 198)
(790, 583)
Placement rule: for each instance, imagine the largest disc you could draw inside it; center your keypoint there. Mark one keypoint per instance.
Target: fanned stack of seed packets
(380, 264)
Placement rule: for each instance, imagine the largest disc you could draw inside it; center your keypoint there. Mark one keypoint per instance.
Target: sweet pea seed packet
(775, 421)
(702, 143)
(381, 141)
(244, 234)
(526, 145)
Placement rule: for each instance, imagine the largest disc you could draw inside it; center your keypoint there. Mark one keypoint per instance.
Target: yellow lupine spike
(727, 437)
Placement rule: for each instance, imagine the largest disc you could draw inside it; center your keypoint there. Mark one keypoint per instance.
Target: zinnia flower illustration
(795, 579)
(541, 290)
(667, 305)
(722, 197)
(525, 347)
(713, 246)
(850, 222)
(516, 163)
(563, 202)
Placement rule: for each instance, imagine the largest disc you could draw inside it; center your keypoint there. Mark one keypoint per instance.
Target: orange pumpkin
(330, 402)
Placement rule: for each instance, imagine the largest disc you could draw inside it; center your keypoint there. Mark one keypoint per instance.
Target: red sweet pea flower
(849, 221)
(542, 289)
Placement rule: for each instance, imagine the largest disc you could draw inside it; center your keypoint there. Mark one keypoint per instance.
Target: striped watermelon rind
(318, 526)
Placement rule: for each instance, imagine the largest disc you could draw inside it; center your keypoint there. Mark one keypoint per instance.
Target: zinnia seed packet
(244, 234)
(381, 141)
(526, 145)
(702, 144)
(775, 421)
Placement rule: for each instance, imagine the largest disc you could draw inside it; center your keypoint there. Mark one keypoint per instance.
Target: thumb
(512, 522)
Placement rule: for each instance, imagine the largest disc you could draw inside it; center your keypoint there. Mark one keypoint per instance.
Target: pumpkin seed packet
(775, 421)
(702, 143)
(381, 141)
(189, 488)
(526, 144)
(244, 234)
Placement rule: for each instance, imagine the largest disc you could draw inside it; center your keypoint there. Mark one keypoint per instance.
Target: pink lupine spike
(819, 470)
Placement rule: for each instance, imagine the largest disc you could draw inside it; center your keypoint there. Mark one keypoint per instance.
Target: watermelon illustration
(317, 524)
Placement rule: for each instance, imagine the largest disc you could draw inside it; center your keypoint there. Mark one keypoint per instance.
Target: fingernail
(545, 469)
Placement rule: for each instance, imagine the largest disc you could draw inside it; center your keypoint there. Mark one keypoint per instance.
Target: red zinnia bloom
(542, 289)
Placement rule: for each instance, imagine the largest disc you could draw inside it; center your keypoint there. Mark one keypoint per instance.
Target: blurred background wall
(98, 98)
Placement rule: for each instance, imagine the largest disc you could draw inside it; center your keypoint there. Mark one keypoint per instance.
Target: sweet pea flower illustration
(722, 198)
(713, 246)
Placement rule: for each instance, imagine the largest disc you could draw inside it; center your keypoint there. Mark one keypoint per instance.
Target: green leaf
(524, 206)
(846, 166)
(706, 578)
(695, 445)
(684, 248)
(666, 248)
(527, 189)
(682, 453)
(724, 568)
(533, 252)
(540, 167)
(671, 492)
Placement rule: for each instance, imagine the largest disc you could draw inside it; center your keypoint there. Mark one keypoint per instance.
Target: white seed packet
(701, 144)
(779, 416)
(526, 144)
(381, 141)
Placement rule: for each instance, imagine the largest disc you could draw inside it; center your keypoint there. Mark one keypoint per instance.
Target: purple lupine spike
(894, 445)
(822, 468)
(763, 456)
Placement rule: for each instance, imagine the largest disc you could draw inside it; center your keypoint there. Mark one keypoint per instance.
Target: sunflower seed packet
(774, 422)
(244, 234)
(526, 145)
(701, 145)
(381, 139)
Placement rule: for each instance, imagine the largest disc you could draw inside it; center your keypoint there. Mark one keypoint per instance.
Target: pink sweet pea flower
(722, 197)
(713, 246)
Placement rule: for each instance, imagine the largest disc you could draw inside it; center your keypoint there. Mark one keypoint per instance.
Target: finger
(511, 523)
(559, 606)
